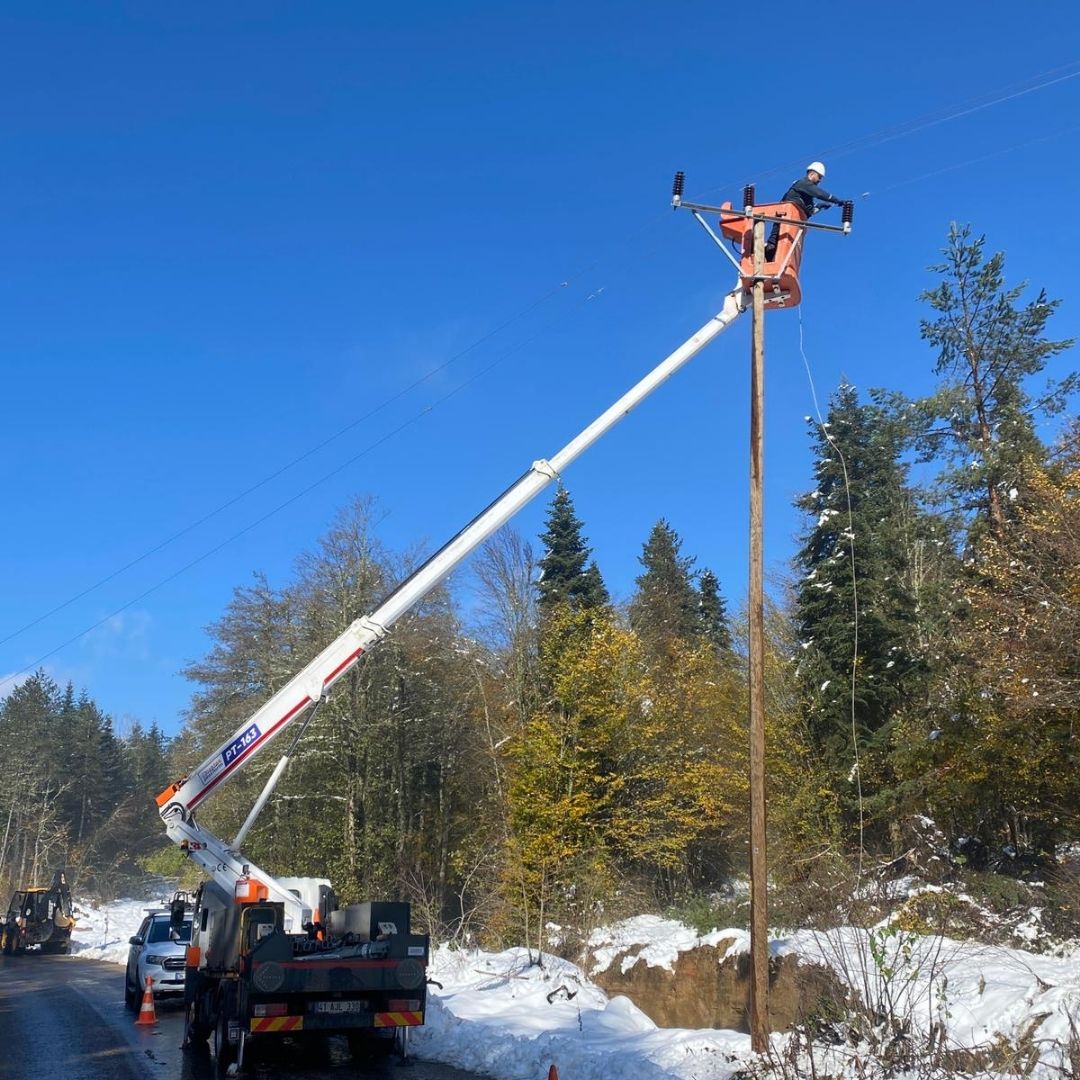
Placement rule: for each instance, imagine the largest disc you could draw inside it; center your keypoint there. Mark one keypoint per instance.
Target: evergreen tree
(31, 783)
(666, 607)
(565, 579)
(856, 608)
(62, 782)
(980, 420)
(712, 613)
(592, 592)
(133, 832)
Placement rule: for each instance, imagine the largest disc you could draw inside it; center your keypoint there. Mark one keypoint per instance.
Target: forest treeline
(528, 750)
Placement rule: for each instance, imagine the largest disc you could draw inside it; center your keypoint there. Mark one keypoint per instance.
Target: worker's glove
(821, 206)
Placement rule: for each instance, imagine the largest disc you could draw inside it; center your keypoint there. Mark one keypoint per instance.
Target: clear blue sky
(231, 230)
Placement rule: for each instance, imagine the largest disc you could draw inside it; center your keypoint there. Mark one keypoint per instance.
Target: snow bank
(981, 994)
(102, 931)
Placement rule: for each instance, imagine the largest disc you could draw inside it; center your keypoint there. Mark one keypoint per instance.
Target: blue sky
(230, 231)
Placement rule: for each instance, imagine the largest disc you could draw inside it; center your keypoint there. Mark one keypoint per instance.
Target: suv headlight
(156, 960)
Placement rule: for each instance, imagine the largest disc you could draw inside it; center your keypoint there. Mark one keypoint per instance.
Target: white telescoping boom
(178, 801)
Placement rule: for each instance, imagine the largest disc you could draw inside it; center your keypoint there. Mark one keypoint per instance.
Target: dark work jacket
(803, 193)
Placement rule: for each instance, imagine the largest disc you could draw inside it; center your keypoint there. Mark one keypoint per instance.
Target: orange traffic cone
(146, 1009)
(553, 1073)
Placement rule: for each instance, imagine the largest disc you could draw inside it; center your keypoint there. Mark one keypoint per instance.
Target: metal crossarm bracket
(730, 214)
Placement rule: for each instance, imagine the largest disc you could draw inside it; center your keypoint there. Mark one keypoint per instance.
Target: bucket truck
(272, 955)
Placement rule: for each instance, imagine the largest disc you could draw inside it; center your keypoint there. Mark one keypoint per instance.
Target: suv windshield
(159, 932)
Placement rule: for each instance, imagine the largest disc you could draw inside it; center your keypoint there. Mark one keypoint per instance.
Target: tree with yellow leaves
(623, 776)
(1006, 764)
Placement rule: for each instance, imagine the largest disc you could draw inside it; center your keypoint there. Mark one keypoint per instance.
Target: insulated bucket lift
(780, 273)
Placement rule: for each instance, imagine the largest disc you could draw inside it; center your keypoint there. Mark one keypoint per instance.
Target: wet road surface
(62, 1018)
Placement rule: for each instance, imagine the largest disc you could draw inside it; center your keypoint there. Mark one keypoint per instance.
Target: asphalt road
(62, 1018)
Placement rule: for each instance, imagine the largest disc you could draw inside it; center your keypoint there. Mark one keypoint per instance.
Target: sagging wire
(13, 677)
(897, 131)
(292, 463)
(1071, 129)
(906, 128)
(534, 305)
(857, 769)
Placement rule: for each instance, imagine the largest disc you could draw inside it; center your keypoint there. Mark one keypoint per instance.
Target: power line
(904, 128)
(831, 439)
(14, 676)
(281, 470)
(976, 160)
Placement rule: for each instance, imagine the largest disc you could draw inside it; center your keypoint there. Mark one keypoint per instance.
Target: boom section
(314, 681)
(227, 866)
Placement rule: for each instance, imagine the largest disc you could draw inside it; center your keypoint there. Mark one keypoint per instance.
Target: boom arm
(177, 802)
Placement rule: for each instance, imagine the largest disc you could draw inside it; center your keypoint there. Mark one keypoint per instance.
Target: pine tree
(856, 608)
(666, 607)
(92, 764)
(592, 592)
(133, 833)
(565, 578)
(33, 784)
(980, 420)
(712, 613)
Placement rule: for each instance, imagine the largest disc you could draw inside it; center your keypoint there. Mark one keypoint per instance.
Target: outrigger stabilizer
(781, 273)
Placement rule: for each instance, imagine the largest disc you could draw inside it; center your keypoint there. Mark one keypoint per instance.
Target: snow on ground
(102, 931)
(503, 1015)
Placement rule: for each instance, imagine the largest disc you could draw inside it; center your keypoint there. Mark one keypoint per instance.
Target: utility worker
(802, 193)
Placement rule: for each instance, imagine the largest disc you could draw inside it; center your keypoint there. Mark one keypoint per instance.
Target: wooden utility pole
(759, 919)
(785, 291)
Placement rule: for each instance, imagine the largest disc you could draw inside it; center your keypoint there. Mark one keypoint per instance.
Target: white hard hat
(816, 166)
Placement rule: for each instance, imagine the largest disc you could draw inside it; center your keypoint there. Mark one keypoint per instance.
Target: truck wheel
(196, 1030)
(224, 1051)
(131, 997)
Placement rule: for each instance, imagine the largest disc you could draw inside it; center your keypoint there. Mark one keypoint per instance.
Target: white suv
(157, 951)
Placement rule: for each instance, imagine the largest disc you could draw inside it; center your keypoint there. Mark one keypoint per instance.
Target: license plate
(339, 1006)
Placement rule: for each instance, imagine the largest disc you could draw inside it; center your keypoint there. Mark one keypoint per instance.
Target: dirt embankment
(708, 989)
